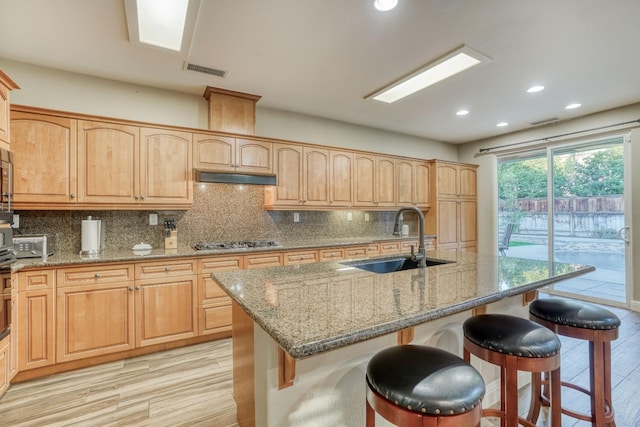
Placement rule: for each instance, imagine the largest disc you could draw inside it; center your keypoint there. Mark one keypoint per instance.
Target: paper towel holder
(92, 239)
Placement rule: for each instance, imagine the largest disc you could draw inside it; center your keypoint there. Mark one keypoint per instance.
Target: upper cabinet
(455, 180)
(44, 149)
(412, 181)
(6, 86)
(374, 181)
(228, 154)
(67, 163)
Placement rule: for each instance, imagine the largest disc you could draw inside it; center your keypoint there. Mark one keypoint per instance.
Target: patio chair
(504, 243)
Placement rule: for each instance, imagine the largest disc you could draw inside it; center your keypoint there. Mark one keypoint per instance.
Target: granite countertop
(312, 308)
(68, 258)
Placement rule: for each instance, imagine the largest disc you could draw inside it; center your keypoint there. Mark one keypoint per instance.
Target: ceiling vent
(205, 70)
(545, 121)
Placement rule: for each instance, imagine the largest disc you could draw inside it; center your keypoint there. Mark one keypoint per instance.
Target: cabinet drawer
(215, 319)
(262, 260)
(406, 246)
(356, 252)
(300, 257)
(210, 293)
(165, 269)
(209, 265)
(331, 254)
(35, 280)
(94, 274)
(373, 249)
(390, 248)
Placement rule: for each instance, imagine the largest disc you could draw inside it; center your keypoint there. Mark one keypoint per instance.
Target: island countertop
(312, 308)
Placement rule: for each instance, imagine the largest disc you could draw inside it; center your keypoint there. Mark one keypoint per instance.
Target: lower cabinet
(214, 310)
(5, 357)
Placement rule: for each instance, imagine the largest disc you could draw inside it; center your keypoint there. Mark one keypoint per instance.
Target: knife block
(171, 242)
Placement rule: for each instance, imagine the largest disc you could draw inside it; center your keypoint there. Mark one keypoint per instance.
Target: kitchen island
(303, 334)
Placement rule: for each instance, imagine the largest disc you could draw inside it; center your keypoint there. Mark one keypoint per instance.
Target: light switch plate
(16, 221)
(349, 216)
(366, 216)
(153, 219)
(296, 217)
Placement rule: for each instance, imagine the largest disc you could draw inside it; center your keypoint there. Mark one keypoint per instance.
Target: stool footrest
(544, 400)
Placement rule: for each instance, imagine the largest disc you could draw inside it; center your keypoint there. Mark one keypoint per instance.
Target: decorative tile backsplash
(219, 212)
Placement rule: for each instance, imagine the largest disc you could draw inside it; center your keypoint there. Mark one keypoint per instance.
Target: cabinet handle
(137, 288)
(97, 275)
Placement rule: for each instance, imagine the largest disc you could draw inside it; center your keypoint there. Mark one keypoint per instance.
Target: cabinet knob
(131, 289)
(137, 288)
(97, 275)
(73, 196)
(166, 269)
(135, 197)
(142, 197)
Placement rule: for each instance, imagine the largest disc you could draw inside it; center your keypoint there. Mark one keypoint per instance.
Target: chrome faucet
(420, 257)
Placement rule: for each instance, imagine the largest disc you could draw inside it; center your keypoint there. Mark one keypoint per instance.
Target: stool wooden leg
(607, 380)
(536, 392)
(370, 416)
(555, 396)
(510, 397)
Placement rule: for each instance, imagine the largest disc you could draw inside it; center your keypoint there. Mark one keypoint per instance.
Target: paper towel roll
(91, 236)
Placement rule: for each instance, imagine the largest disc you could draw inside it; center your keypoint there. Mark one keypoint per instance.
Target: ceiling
(323, 57)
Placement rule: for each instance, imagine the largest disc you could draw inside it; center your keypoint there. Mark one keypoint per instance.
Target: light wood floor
(192, 387)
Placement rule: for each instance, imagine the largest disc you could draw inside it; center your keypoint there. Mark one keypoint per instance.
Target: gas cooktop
(243, 244)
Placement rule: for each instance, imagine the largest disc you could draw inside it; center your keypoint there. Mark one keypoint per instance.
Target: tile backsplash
(219, 212)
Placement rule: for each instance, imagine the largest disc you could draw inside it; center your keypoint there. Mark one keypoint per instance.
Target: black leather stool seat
(573, 313)
(425, 380)
(511, 335)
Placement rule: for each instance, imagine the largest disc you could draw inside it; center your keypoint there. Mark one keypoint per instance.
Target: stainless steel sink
(390, 265)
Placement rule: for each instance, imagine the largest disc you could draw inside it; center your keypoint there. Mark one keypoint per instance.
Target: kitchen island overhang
(312, 320)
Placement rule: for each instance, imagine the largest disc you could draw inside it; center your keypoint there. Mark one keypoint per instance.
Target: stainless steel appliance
(6, 208)
(33, 246)
(242, 244)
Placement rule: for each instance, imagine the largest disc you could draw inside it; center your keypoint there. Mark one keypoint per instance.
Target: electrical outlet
(349, 216)
(296, 217)
(153, 219)
(16, 221)
(366, 216)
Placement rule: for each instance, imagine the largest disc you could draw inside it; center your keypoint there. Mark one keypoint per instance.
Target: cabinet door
(214, 153)
(166, 310)
(340, 178)
(44, 149)
(35, 329)
(447, 231)
(385, 181)
(4, 112)
(447, 180)
(108, 163)
(94, 320)
(315, 171)
(468, 181)
(5, 349)
(253, 156)
(288, 169)
(364, 181)
(405, 183)
(165, 167)
(421, 184)
(468, 221)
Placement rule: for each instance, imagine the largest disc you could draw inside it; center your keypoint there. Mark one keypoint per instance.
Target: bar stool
(587, 322)
(514, 344)
(414, 385)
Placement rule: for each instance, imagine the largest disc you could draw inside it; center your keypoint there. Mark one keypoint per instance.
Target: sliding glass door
(567, 204)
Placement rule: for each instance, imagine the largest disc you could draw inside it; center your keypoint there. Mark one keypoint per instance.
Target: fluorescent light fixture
(462, 112)
(534, 89)
(572, 106)
(385, 5)
(502, 124)
(168, 24)
(438, 70)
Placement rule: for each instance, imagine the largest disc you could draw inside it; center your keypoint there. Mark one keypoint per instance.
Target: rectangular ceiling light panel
(438, 70)
(161, 22)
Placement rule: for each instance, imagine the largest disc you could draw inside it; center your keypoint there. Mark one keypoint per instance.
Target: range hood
(234, 178)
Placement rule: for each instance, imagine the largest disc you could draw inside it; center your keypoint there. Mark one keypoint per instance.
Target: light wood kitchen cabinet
(390, 248)
(412, 181)
(453, 213)
(340, 178)
(301, 257)
(5, 357)
(330, 254)
(261, 260)
(35, 319)
(287, 165)
(95, 311)
(6, 86)
(214, 308)
(45, 171)
(315, 174)
(374, 181)
(229, 154)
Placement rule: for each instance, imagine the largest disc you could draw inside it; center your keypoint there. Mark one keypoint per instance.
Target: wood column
(231, 111)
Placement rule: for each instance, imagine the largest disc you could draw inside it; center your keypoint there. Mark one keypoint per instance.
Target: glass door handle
(623, 234)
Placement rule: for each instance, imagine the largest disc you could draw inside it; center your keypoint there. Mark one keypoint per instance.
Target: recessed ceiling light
(462, 113)
(385, 5)
(534, 89)
(502, 124)
(572, 106)
(440, 69)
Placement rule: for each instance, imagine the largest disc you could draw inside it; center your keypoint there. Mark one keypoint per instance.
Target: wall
(487, 193)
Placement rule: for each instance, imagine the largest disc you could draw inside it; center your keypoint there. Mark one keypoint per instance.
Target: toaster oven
(33, 246)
